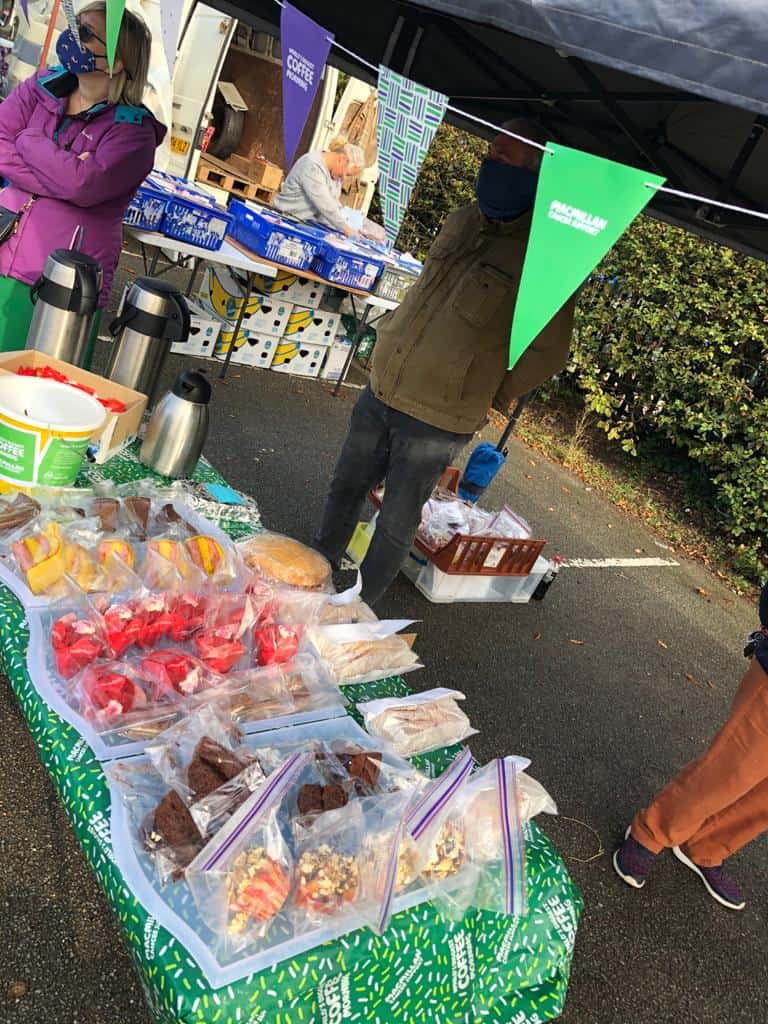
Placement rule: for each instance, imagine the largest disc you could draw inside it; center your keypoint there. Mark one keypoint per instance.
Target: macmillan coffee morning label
(305, 46)
(583, 205)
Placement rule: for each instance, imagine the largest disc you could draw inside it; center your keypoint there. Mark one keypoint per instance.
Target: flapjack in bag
(242, 878)
(433, 850)
(493, 877)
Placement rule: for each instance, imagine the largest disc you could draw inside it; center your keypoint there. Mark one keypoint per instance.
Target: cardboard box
(251, 349)
(291, 287)
(312, 326)
(298, 358)
(337, 357)
(220, 294)
(204, 330)
(119, 429)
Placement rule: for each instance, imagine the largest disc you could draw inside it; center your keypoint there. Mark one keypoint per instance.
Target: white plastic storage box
(336, 360)
(316, 326)
(441, 588)
(204, 329)
(291, 287)
(299, 359)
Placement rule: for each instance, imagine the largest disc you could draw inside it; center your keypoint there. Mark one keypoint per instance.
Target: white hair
(355, 155)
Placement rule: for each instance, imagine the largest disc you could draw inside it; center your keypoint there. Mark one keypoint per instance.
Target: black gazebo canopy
(676, 87)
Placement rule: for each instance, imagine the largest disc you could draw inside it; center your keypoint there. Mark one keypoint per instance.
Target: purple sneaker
(633, 862)
(717, 883)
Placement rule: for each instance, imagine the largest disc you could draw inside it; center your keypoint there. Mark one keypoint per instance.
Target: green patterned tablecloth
(423, 970)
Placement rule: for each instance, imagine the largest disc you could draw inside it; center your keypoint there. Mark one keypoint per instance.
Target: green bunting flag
(115, 9)
(583, 204)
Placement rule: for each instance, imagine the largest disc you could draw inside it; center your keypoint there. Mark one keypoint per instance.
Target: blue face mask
(504, 192)
(75, 60)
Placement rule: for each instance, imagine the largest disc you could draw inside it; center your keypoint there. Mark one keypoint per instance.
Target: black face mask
(504, 192)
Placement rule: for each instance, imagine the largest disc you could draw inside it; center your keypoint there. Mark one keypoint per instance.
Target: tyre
(228, 130)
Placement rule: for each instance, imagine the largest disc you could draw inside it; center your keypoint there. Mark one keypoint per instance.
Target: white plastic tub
(443, 588)
(45, 427)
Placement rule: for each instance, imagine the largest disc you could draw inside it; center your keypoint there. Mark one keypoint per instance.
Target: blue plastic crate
(146, 209)
(342, 264)
(198, 220)
(268, 235)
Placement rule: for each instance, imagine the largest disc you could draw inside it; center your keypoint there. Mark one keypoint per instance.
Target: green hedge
(671, 348)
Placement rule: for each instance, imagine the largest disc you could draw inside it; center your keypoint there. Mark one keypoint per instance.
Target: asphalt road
(579, 683)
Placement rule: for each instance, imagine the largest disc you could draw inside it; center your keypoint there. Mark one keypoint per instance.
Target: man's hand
(83, 156)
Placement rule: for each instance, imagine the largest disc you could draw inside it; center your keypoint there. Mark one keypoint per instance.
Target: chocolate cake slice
(227, 764)
(136, 511)
(108, 511)
(211, 766)
(310, 798)
(172, 824)
(334, 796)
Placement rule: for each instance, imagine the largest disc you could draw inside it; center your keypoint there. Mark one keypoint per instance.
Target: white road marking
(615, 563)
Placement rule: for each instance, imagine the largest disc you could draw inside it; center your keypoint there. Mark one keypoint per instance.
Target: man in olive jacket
(440, 363)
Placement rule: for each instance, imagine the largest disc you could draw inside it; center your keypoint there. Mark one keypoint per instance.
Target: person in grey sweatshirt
(312, 189)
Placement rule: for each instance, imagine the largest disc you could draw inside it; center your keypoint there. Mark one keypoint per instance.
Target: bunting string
(702, 200)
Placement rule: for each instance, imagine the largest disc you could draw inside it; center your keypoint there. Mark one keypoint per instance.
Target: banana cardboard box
(251, 349)
(311, 326)
(221, 294)
(303, 360)
(291, 287)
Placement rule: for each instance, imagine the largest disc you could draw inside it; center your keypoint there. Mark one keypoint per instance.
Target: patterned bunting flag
(68, 6)
(409, 116)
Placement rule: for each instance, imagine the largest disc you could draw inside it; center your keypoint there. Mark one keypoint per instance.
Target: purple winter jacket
(39, 147)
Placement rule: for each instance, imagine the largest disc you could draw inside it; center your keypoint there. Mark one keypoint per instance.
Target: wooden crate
(258, 170)
(233, 178)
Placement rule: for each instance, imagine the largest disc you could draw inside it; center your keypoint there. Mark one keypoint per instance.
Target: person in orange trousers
(719, 802)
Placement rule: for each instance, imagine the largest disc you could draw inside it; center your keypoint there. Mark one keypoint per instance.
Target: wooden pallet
(221, 175)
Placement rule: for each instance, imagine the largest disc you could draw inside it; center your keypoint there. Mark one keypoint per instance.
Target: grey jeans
(384, 444)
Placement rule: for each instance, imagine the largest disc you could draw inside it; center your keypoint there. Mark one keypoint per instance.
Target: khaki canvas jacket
(442, 355)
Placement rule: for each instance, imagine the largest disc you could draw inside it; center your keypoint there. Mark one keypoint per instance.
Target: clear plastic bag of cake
(200, 753)
(418, 723)
(433, 850)
(242, 879)
(363, 652)
(18, 511)
(73, 634)
(256, 694)
(161, 825)
(113, 698)
(224, 642)
(328, 887)
(283, 560)
(487, 814)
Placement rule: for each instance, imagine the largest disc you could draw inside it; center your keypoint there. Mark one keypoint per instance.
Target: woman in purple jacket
(75, 144)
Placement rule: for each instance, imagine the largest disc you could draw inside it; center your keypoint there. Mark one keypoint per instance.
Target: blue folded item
(482, 466)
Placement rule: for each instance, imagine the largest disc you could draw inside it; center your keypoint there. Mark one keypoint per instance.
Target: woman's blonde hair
(133, 49)
(353, 153)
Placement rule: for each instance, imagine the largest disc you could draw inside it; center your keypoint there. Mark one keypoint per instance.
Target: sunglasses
(87, 35)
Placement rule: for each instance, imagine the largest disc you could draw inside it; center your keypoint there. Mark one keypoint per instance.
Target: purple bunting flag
(305, 47)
